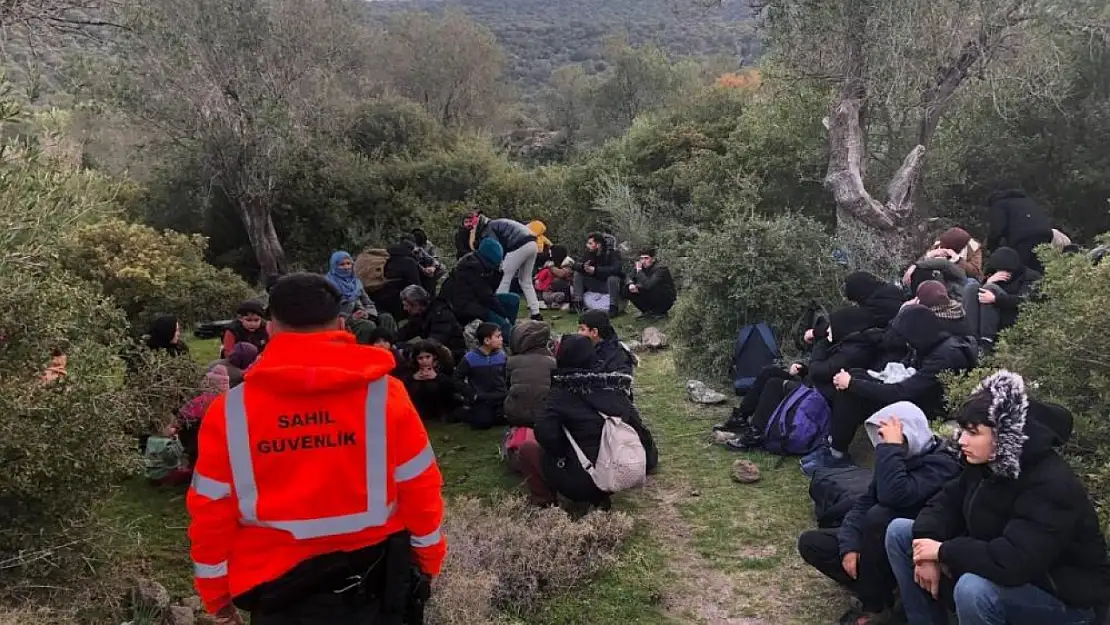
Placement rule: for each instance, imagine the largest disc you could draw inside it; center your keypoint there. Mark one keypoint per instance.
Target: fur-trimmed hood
(1024, 429)
(584, 382)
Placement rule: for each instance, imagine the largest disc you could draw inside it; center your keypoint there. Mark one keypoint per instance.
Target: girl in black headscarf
(165, 335)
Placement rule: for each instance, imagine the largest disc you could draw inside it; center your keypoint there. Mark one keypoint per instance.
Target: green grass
(704, 549)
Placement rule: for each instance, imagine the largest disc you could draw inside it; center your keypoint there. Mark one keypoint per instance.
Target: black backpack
(814, 316)
(834, 491)
(755, 349)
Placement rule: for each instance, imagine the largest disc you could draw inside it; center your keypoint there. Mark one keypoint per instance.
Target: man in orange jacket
(313, 475)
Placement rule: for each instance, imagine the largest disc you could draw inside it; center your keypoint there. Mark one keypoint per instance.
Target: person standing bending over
(316, 490)
(519, 245)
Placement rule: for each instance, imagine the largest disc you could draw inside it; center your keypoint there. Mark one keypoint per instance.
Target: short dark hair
(648, 251)
(249, 307)
(598, 320)
(304, 301)
(486, 330)
(975, 411)
(380, 334)
(596, 236)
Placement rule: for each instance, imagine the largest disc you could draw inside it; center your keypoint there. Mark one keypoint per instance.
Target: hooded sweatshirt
(855, 345)
(529, 371)
(1024, 518)
(1017, 289)
(906, 475)
(882, 300)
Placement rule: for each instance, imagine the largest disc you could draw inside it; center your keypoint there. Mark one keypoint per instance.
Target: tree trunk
(263, 236)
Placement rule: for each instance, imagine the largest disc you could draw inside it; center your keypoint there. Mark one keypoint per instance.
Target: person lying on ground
(994, 306)
(849, 343)
(911, 465)
(481, 376)
(529, 371)
(610, 355)
(600, 271)
(955, 247)
(953, 318)
(470, 289)
(652, 289)
(341, 274)
(859, 394)
(430, 319)
(249, 327)
(882, 300)
(1018, 223)
(579, 396)
(519, 249)
(428, 379)
(1015, 538)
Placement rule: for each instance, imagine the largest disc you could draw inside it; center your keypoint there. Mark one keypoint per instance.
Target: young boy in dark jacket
(611, 356)
(482, 374)
(1016, 532)
(911, 465)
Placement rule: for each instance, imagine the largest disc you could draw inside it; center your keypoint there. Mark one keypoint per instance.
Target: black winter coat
(614, 357)
(401, 270)
(1015, 219)
(859, 350)
(900, 484)
(1025, 518)
(433, 399)
(1016, 291)
(512, 235)
(470, 289)
(574, 403)
(657, 283)
(606, 261)
(437, 323)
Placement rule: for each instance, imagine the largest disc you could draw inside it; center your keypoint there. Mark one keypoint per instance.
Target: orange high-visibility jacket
(318, 451)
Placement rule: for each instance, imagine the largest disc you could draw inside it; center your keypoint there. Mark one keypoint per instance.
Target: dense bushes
(1060, 346)
(748, 270)
(149, 273)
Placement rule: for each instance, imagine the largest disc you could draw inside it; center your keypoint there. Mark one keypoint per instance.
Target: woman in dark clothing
(1018, 223)
(881, 299)
(994, 306)
(165, 335)
(401, 270)
(1016, 533)
(575, 404)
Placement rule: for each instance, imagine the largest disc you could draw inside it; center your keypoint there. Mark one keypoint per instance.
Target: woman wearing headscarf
(240, 359)
(341, 273)
(165, 335)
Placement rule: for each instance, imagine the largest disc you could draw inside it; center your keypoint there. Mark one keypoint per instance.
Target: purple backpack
(799, 424)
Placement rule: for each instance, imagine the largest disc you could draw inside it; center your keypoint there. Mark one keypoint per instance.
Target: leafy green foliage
(748, 270)
(149, 273)
(1059, 345)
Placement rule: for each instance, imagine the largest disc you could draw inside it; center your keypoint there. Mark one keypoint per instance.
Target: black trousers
(848, 413)
(325, 609)
(771, 386)
(875, 583)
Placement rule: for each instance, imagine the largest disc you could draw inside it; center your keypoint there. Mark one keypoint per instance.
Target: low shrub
(506, 557)
(1060, 346)
(748, 270)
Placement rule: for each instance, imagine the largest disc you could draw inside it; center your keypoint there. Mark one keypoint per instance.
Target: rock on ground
(745, 472)
(179, 615)
(150, 595)
(653, 338)
(700, 393)
(721, 437)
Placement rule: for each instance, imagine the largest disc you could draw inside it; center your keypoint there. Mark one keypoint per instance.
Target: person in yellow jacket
(316, 497)
(538, 228)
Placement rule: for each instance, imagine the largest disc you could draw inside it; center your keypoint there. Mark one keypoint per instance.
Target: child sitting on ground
(187, 426)
(482, 374)
(529, 369)
(248, 327)
(428, 380)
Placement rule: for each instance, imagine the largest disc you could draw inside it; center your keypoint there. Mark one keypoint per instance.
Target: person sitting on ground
(849, 343)
(165, 336)
(579, 396)
(240, 359)
(426, 246)
(1016, 533)
(529, 371)
(341, 274)
(519, 249)
(652, 290)
(481, 374)
(187, 426)
(553, 282)
(430, 319)
(882, 300)
(1019, 224)
(911, 465)
(464, 235)
(955, 256)
(249, 327)
(953, 318)
(401, 271)
(431, 270)
(427, 378)
(610, 355)
(994, 306)
(859, 394)
(470, 289)
(600, 271)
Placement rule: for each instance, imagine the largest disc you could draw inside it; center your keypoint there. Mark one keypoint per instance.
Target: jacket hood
(1024, 429)
(318, 362)
(585, 382)
(848, 321)
(530, 336)
(161, 332)
(915, 427)
(919, 327)
(576, 352)
(401, 249)
(860, 285)
(491, 252)
(1005, 259)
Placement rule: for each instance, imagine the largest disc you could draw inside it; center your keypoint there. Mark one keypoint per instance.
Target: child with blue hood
(911, 465)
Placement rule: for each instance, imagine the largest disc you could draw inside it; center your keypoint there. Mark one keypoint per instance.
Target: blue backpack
(799, 425)
(755, 349)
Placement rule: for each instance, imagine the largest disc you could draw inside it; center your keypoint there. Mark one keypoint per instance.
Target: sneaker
(536, 317)
(543, 305)
(736, 422)
(858, 616)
